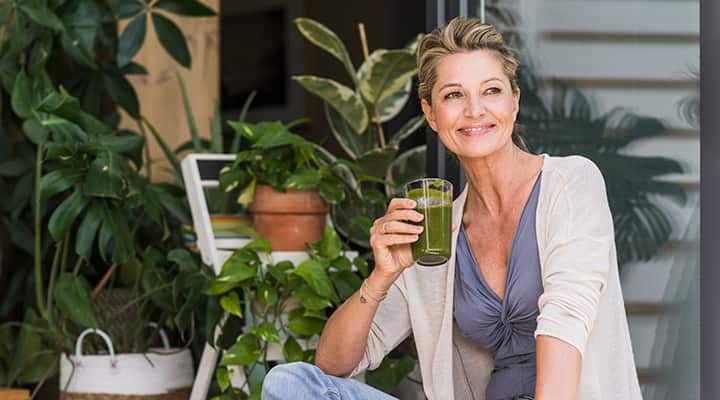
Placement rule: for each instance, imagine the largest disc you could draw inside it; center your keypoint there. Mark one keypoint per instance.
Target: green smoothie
(433, 246)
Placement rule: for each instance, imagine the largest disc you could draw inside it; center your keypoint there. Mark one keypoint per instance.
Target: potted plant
(278, 306)
(286, 186)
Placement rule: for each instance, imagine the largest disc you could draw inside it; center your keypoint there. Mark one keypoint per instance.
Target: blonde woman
(529, 304)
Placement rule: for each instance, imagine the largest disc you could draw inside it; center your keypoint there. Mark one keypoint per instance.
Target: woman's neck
(494, 181)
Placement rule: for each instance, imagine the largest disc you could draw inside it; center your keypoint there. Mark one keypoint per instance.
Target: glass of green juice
(434, 198)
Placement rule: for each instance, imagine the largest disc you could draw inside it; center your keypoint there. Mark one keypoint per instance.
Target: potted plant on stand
(284, 183)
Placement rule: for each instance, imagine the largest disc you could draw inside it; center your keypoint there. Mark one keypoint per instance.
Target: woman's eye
(493, 90)
(453, 95)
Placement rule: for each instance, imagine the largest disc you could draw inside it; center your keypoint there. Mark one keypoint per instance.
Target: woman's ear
(429, 115)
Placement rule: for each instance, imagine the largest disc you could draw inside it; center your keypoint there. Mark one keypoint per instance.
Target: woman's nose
(474, 107)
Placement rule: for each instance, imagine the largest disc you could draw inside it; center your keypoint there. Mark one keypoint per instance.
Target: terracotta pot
(289, 219)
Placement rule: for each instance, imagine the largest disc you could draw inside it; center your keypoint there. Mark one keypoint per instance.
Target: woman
(529, 304)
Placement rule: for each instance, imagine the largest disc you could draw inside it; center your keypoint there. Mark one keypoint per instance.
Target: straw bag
(163, 374)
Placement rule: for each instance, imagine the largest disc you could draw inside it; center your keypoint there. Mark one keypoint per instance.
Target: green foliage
(63, 74)
(288, 303)
(281, 159)
(381, 90)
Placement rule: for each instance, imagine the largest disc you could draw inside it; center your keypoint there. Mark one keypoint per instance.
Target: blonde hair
(460, 35)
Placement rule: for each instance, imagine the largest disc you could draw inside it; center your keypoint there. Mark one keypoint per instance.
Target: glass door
(618, 82)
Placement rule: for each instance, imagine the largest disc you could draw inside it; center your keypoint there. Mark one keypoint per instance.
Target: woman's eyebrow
(453, 84)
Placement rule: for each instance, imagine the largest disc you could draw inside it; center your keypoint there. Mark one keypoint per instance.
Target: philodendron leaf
(267, 332)
(330, 246)
(307, 326)
(72, 296)
(340, 97)
(388, 71)
(309, 299)
(172, 39)
(303, 179)
(246, 350)
(231, 303)
(315, 275)
(223, 375)
(319, 35)
(267, 295)
(131, 40)
(292, 351)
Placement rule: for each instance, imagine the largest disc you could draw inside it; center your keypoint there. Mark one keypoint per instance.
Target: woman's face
(473, 105)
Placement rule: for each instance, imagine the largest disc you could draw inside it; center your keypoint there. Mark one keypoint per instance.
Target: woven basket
(160, 374)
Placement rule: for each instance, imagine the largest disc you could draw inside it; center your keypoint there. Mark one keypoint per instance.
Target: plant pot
(159, 374)
(290, 219)
(14, 394)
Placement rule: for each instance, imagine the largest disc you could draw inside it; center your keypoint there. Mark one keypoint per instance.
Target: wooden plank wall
(159, 92)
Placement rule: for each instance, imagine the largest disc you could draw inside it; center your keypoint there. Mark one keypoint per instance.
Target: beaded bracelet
(364, 295)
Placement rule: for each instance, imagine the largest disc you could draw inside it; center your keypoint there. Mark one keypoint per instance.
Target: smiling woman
(529, 304)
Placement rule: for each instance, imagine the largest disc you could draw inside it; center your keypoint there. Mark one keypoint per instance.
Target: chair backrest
(201, 171)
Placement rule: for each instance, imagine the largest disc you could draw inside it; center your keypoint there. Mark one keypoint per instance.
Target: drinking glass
(434, 200)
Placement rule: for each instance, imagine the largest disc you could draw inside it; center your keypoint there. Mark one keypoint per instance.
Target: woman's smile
(476, 129)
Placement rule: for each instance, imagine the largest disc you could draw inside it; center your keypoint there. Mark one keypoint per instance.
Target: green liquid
(433, 246)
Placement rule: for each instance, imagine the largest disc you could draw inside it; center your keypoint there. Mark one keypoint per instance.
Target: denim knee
(292, 380)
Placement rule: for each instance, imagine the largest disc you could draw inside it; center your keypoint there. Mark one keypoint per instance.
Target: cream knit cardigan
(582, 302)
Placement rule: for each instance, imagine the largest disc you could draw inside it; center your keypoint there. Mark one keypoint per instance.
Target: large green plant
(80, 213)
(380, 90)
(278, 303)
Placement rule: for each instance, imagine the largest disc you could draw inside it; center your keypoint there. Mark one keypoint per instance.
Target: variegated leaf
(412, 46)
(352, 143)
(340, 97)
(406, 167)
(410, 127)
(390, 106)
(321, 36)
(388, 71)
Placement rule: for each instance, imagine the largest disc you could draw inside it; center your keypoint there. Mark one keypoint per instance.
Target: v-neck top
(504, 326)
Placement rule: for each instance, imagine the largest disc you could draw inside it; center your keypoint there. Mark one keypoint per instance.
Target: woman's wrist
(379, 282)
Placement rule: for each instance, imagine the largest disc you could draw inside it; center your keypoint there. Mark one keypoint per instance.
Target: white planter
(158, 374)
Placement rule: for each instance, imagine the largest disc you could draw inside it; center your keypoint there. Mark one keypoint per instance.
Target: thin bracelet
(364, 295)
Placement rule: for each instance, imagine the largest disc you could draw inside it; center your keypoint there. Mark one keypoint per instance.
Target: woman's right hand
(391, 236)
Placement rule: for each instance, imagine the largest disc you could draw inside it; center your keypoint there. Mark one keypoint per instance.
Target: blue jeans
(303, 381)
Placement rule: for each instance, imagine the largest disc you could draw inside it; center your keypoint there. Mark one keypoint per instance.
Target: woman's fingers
(391, 240)
(400, 227)
(399, 203)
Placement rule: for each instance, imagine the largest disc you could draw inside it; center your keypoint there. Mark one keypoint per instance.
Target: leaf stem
(376, 113)
(53, 273)
(38, 236)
